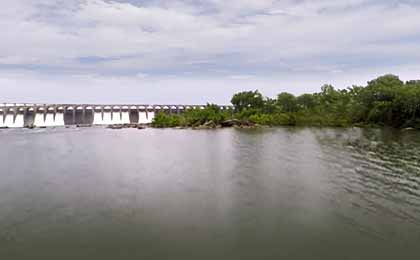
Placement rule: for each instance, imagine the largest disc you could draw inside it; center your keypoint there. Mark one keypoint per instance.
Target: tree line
(384, 101)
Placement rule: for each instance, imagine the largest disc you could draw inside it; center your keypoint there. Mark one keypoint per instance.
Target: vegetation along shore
(385, 101)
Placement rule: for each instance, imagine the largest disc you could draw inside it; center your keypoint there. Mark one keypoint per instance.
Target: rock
(238, 123)
(131, 125)
(115, 127)
(210, 124)
(231, 123)
(248, 123)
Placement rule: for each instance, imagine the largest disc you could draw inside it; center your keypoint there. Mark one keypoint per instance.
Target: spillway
(8, 121)
(49, 120)
(84, 117)
(29, 118)
(134, 116)
(39, 120)
(89, 117)
(116, 118)
(59, 119)
(12, 121)
(68, 117)
(97, 118)
(18, 121)
(107, 118)
(1, 121)
(146, 118)
(125, 118)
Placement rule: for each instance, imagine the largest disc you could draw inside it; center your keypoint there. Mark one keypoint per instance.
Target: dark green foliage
(287, 102)
(385, 101)
(388, 101)
(192, 117)
(211, 112)
(306, 101)
(248, 100)
(162, 120)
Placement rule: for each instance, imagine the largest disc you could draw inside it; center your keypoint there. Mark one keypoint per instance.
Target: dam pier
(14, 115)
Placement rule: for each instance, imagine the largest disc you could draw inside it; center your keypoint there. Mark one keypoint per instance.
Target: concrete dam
(50, 115)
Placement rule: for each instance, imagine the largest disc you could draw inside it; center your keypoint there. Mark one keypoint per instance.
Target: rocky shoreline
(123, 126)
(235, 123)
(231, 123)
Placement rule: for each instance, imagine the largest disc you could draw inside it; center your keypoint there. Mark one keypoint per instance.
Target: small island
(385, 101)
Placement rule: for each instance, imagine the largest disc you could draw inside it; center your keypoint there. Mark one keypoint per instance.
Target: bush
(262, 119)
(211, 112)
(191, 118)
(163, 120)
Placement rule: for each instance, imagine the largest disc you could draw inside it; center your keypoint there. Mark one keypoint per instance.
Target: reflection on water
(292, 193)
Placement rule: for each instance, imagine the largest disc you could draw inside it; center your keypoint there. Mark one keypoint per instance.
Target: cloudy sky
(187, 51)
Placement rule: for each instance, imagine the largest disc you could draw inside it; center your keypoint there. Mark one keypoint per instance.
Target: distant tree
(386, 81)
(385, 100)
(378, 97)
(413, 83)
(247, 100)
(306, 101)
(328, 95)
(270, 106)
(287, 102)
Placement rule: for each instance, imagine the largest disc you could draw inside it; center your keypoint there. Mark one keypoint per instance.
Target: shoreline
(211, 126)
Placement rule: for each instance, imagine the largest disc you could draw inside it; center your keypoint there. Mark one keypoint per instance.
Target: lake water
(283, 193)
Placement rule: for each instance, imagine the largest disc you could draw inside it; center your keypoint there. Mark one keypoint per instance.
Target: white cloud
(216, 40)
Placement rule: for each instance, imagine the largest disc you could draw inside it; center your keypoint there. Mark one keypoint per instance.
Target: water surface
(284, 193)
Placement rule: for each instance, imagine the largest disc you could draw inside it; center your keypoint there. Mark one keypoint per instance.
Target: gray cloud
(224, 42)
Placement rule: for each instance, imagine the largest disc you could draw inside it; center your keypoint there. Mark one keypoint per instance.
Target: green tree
(211, 112)
(306, 101)
(247, 100)
(287, 102)
(270, 106)
(378, 100)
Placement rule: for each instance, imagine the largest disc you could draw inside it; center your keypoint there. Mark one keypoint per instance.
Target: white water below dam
(57, 119)
(11, 121)
(146, 118)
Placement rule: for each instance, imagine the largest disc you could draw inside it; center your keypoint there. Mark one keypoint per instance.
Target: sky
(186, 51)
